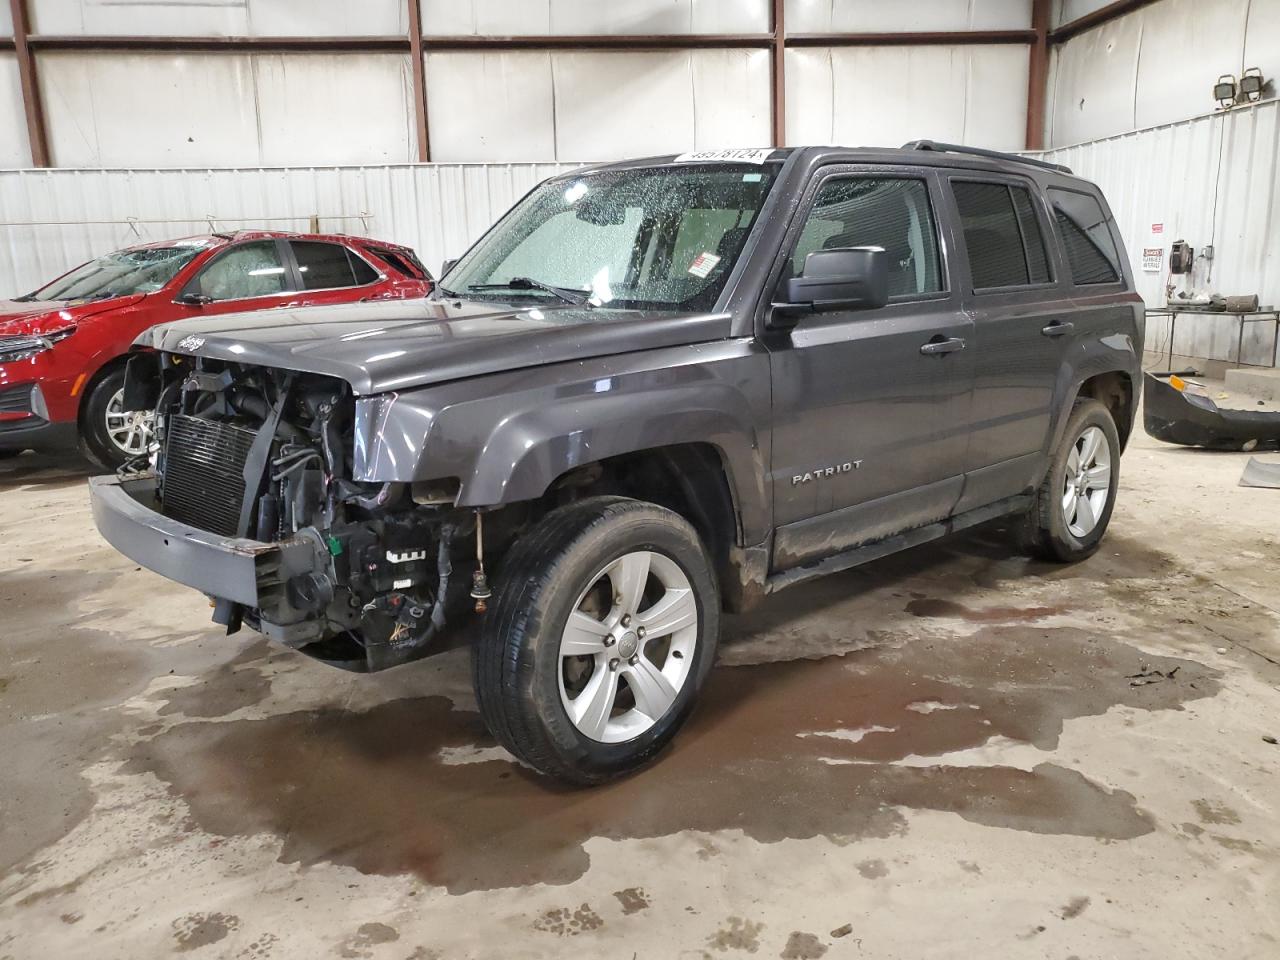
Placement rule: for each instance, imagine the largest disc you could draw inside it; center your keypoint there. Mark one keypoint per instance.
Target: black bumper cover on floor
(1176, 416)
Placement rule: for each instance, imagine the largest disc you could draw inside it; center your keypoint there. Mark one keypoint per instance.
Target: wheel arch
(103, 370)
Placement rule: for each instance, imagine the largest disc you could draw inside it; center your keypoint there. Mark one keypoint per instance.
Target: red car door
(253, 275)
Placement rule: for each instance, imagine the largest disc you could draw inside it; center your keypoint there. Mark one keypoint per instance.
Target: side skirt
(848, 559)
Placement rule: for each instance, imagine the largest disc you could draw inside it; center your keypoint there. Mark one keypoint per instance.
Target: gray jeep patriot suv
(654, 391)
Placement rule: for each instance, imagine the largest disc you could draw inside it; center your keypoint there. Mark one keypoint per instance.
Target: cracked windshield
(645, 239)
(120, 274)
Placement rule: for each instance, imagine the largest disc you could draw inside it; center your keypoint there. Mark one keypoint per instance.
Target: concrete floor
(943, 754)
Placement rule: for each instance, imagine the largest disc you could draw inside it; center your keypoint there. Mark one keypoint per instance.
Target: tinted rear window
(1001, 234)
(1086, 237)
(325, 266)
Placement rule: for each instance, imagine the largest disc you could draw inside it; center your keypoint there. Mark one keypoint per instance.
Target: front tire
(110, 436)
(1073, 504)
(599, 637)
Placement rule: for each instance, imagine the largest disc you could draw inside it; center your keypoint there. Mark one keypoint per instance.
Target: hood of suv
(19, 317)
(391, 346)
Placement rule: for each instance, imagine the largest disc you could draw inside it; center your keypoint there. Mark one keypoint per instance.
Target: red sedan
(62, 348)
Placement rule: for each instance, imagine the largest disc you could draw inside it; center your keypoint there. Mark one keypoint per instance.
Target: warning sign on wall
(1152, 259)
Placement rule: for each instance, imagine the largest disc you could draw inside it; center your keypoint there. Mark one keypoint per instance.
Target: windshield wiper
(576, 297)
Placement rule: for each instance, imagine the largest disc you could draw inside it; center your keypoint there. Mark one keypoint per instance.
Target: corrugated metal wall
(1154, 65)
(1210, 180)
(51, 220)
(130, 108)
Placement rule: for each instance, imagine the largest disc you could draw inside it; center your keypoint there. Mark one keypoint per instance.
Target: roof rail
(980, 152)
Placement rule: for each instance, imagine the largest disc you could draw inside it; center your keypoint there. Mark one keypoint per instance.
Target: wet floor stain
(803, 946)
(243, 681)
(873, 869)
(1075, 906)
(367, 936)
(736, 934)
(371, 790)
(198, 930)
(1212, 811)
(632, 900)
(935, 607)
(568, 922)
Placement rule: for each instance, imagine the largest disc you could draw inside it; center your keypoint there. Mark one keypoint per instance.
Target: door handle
(1058, 329)
(936, 346)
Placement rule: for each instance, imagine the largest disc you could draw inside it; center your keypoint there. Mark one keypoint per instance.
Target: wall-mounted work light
(1224, 91)
(1251, 84)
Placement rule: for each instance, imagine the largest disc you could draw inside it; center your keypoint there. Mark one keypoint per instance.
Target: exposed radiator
(203, 481)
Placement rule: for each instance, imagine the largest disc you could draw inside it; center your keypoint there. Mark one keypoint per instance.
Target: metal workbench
(1261, 315)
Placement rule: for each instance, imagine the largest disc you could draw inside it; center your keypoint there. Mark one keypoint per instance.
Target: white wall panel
(884, 96)
(6, 22)
(491, 106)
(234, 18)
(1092, 79)
(113, 109)
(1262, 38)
(1186, 45)
(334, 109)
(638, 104)
(597, 104)
(1210, 180)
(582, 17)
(1064, 11)
(1156, 65)
(438, 209)
(13, 120)
(879, 16)
(141, 109)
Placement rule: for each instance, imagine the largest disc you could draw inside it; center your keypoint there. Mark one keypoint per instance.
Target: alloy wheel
(129, 431)
(627, 649)
(1087, 482)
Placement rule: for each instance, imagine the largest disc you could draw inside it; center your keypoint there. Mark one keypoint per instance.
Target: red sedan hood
(45, 316)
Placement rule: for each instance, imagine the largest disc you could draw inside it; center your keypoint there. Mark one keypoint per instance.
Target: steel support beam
(1038, 74)
(935, 38)
(778, 75)
(419, 82)
(29, 85)
(1096, 19)
(613, 42)
(221, 44)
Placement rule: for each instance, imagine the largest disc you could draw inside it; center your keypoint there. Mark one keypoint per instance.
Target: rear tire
(108, 436)
(1073, 504)
(596, 696)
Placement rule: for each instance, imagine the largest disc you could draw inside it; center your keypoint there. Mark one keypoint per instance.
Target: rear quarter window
(1085, 234)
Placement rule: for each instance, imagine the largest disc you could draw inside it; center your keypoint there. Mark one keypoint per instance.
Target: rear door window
(1001, 234)
(1086, 237)
(329, 266)
(251, 269)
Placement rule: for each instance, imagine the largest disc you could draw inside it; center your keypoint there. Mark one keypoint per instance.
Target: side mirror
(194, 299)
(847, 278)
(445, 267)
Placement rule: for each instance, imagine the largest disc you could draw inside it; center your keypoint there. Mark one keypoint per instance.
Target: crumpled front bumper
(243, 571)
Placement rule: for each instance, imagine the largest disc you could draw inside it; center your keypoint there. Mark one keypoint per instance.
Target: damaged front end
(1175, 411)
(248, 498)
